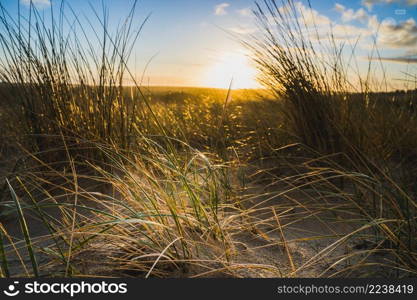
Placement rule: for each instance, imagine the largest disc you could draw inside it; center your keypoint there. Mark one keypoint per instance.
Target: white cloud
(370, 3)
(350, 32)
(245, 12)
(361, 15)
(311, 17)
(389, 33)
(349, 15)
(359, 24)
(359, 27)
(243, 29)
(37, 3)
(373, 23)
(339, 8)
(220, 9)
(402, 35)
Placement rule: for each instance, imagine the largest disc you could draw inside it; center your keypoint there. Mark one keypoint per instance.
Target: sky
(197, 42)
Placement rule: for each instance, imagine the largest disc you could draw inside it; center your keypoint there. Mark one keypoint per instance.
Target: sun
(231, 66)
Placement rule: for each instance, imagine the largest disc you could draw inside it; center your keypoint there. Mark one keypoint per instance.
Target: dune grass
(361, 138)
(198, 182)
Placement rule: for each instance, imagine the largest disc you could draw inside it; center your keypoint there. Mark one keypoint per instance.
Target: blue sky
(195, 42)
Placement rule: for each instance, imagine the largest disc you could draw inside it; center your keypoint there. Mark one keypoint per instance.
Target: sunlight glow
(230, 66)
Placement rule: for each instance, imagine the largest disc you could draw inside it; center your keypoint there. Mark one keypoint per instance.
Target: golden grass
(306, 180)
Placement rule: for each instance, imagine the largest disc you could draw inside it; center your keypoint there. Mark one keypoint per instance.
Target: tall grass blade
(3, 256)
(25, 230)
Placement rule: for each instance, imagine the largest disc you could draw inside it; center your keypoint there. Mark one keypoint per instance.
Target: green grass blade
(25, 230)
(4, 265)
